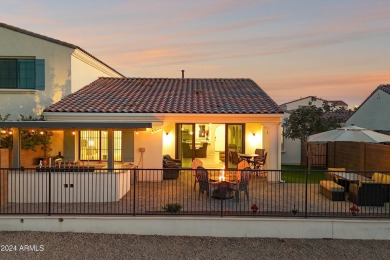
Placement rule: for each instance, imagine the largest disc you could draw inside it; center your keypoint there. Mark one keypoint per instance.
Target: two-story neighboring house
(37, 71)
(291, 149)
(312, 100)
(374, 112)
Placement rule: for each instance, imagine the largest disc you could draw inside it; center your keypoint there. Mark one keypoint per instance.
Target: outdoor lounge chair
(171, 167)
(366, 193)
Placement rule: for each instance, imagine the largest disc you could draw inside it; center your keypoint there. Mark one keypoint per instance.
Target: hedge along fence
(359, 156)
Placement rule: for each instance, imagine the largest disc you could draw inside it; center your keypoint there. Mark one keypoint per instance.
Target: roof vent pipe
(182, 74)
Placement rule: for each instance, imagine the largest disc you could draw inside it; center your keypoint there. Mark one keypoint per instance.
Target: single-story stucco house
(139, 120)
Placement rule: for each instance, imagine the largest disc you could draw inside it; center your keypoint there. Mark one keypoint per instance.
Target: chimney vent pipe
(182, 74)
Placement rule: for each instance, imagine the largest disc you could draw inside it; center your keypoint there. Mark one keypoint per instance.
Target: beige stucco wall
(168, 136)
(57, 73)
(66, 71)
(152, 157)
(374, 113)
(85, 70)
(291, 154)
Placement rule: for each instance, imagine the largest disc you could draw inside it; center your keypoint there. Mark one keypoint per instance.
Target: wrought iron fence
(299, 193)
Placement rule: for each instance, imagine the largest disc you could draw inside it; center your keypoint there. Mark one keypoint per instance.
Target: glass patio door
(186, 143)
(234, 144)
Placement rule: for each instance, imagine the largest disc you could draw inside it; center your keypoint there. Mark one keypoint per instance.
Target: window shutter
(26, 74)
(40, 74)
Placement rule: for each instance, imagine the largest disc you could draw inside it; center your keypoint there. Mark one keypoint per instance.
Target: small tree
(309, 120)
(30, 139)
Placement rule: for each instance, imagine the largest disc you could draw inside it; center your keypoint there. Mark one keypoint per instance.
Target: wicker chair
(366, 193)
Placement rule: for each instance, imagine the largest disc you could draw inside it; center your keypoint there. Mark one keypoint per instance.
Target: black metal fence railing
(170, 191)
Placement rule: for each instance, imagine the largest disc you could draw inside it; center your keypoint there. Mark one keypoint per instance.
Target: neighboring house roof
(335, 102)
(302, 99)
(384, 88)
(338, 102)
(343, 115)
(168, 95)
(69, 45)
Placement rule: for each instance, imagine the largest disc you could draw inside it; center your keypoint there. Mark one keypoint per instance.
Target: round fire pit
(224, 191)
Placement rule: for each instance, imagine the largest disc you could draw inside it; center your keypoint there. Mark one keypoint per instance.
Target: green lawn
(296, 174)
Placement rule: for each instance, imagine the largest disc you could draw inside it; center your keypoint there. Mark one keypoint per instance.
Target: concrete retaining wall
(205, 226)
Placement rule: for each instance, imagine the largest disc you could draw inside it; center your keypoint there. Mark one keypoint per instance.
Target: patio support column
(273, 132)
(16, 147)
(110, 146)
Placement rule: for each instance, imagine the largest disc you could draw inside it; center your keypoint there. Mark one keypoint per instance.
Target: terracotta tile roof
(43, 37)
(169, 95)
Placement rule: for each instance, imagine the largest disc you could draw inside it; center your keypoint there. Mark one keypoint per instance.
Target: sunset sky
(333, 49)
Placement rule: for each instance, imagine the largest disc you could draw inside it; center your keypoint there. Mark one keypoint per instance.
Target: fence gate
(318, 155)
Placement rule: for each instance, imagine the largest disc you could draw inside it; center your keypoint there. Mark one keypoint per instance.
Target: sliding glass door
(185, 145)
(234, 143)
(216, 145)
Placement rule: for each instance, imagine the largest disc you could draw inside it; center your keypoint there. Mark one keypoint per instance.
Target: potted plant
(172, 208)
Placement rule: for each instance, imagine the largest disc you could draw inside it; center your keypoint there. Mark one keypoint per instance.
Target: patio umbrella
(350, 133)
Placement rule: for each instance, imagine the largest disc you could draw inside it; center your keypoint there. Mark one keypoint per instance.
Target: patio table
(248, 156)
(346, 178)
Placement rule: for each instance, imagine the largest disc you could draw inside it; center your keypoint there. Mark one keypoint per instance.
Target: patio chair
(243, 183)
(231, 148)
(202, 176)
(235, 159)
(240, 166)
(194, 165)
(259, 164)
(257, 160)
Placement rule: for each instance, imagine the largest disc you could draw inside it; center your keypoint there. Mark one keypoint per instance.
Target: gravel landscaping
(42, 245)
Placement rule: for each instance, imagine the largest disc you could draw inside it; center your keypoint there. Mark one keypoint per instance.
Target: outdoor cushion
(332, 186)
(377, 177)
(385, 178)
(336, 169)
